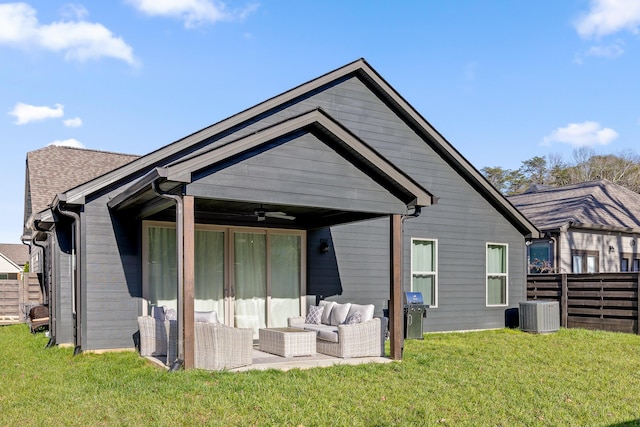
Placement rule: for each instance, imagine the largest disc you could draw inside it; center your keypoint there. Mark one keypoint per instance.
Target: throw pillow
(366, 311)
(170, 314)
(354, 318)
(326, 314)
(205, 316)
(339, 313)
(314, 315)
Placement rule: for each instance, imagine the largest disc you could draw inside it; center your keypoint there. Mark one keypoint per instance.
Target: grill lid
(413, 298)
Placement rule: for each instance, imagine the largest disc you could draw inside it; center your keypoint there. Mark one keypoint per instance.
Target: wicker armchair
(219, 347)
(158, 338)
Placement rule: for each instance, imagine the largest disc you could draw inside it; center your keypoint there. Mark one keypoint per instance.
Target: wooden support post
(396, 326)
(638, 305)
(564, 302)
(188, 280)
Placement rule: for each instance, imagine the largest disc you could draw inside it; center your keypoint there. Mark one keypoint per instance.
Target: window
(497, 274)
(424, 275)
(629, 263)
(585, 262)
(539, 254)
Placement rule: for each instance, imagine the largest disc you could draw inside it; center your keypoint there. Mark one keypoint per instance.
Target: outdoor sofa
(343, 330)
(217, 346)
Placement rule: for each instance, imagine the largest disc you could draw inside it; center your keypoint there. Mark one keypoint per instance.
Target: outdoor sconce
(324, 246)
(611, 249)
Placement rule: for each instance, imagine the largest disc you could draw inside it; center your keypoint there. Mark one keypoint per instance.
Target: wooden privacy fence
(605, 301)
(17, 296)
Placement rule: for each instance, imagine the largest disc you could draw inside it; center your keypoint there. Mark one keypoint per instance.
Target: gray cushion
(353, 319)
(324, 332)
(326, 314)
(366, 311)
(157, 313)
(339, 313)
(314, 315)
(205, 316)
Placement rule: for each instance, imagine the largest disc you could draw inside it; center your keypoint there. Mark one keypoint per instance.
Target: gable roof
(44, 178)
(16, 253)
(363, 71)
(597, 204)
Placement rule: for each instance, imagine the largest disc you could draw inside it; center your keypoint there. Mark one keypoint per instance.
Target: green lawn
(493, 378)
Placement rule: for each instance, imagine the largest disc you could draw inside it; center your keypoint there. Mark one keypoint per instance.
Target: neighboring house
(336, 189)
(13, 258)
(589, 227)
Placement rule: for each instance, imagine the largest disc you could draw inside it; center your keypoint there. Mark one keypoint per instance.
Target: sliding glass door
(252, 278)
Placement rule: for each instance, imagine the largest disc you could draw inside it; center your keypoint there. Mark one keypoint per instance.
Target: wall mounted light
(611, 249)
(324, 246)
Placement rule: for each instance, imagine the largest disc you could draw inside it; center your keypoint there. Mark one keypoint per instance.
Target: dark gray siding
(112, 278)
(303, 172)
(62, 273)
(462, 221)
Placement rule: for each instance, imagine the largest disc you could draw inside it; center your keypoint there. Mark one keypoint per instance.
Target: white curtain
(250, 271)
(496, 269)
(209, 274)
(285, 278)
(162, 267)
(423, 269)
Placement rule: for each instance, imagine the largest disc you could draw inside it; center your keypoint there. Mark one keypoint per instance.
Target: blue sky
(502, 80)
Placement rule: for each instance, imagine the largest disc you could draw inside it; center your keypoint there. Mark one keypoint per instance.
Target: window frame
(505, 274)
(633, 262)
(433, 273)
(584, 262)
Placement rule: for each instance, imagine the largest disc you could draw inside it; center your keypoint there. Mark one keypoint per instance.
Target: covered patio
(305, 173)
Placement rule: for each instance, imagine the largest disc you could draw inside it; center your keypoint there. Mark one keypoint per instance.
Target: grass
(493, 378)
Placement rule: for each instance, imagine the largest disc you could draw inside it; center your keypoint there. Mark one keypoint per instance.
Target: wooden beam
(188, 254)
(396, 324)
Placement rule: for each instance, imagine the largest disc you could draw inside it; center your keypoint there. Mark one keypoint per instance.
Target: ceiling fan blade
(280, 215)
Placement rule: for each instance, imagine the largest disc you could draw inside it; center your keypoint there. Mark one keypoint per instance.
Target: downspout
(76, 278)
(48, 278)
(177, 364)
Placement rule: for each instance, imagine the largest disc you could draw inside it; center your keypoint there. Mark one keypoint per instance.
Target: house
(16, 291)
(589, 227)
(335, 189)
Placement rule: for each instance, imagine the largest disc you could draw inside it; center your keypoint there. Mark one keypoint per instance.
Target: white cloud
(192, 12)
(25, 113)
(71, 142)
(76, 38)
(585, 134)
(607, 17)
(76, 122)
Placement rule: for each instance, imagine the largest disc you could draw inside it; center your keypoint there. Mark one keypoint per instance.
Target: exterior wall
(601, 242)
(111, 278)
(462, 221)
(62, 274)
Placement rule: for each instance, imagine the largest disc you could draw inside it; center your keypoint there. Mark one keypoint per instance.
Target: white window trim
(434, 272)
(505, 274)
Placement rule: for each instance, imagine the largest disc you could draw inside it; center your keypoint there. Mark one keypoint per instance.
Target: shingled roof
(593, 204)
(17, 253)
(55, 169)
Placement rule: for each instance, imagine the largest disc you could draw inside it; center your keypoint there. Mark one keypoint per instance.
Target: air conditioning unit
(540, 316)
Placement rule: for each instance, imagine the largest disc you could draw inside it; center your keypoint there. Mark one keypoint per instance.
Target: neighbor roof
(594, 204)
(360, 69)
(54, 169)
(17, 253)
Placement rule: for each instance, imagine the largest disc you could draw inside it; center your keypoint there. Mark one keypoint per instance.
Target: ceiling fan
(264, 214)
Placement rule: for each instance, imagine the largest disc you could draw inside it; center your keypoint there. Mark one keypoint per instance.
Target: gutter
(178, 363)
(76, 277)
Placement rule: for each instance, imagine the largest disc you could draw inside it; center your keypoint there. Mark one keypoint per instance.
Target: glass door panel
(285, 254)
(209, 274)
(250, 280)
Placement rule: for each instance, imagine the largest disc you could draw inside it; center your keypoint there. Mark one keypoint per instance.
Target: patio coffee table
(287, 342)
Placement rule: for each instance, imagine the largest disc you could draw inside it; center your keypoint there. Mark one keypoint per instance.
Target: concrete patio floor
(263, 361)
